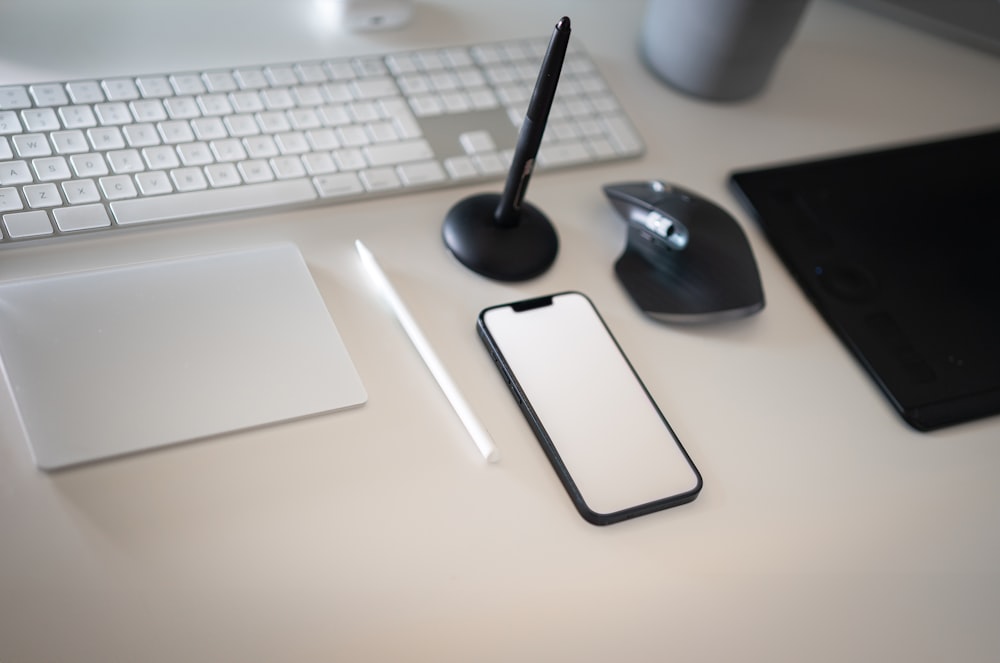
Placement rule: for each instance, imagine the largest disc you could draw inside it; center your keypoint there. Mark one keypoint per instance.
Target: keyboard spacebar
(212, 201)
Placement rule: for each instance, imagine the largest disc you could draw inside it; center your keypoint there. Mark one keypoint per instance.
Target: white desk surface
(827, 530)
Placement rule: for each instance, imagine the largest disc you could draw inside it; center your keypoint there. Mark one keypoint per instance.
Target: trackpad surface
(113, 361)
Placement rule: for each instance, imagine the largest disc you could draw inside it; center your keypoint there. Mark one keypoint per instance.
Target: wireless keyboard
(104, 154)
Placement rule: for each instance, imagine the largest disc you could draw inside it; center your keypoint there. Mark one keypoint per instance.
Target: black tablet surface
(899, 250)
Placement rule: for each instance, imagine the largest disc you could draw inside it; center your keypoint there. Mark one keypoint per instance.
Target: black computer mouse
(687, 260)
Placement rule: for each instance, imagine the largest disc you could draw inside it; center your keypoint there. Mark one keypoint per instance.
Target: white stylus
(476, 430)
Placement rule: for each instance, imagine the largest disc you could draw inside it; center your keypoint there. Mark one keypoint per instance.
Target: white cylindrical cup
(722, 50)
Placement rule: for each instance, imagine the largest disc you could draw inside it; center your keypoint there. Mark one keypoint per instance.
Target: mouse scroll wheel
(669, 230)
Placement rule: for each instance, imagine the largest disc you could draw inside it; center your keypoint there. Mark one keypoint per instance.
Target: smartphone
(606, 438)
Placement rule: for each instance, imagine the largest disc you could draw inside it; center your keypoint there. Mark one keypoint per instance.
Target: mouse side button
(638, 204)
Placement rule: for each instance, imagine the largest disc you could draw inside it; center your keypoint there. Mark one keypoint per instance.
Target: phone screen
(605, 436)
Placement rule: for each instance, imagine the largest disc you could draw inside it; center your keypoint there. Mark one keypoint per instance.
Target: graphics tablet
(899, 250)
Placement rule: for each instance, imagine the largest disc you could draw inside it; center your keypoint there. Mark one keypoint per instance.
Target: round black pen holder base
(503, 253)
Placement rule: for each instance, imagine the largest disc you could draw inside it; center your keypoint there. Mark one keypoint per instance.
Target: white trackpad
(108, 362)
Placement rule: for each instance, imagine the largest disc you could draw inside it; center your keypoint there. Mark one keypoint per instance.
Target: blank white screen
(605, 428)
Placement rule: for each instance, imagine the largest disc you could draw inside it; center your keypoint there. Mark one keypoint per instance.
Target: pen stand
(503, 251)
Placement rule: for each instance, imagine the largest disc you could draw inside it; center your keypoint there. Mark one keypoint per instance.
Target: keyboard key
(9, 200)
(77, 117)
(154, 86)
(246, 102)
(341, 184)
(125, 161)
(214, 104)
(88, 165)
(380, 179)
(303, 118)
(490, 164)
(373, 88)
(15, 172)
(322, 140)
(9, 123)
(162, 157)
(218, 201)
(250, 78)
(352, 136)
(209, 128)
(382, 132)
(106, 138)
(27, 224)
(261, 147)
(277, 99)
(308, 95)
(334, 115)
(153, 183)
(187, 84)
(292, 142)
(310, 72)
(84, 217)
(340, 70)
(401, 152)
(241, 125)
(81, 191)
(349, 158)
(222, 174)
(14, 97)
(181, 108)
(31, 145)
(116, 187)
(426, 105)
(562, 154)
(195, 154)
(120, 89)
(369, 66)
(460, 167)
(474, 142)
(424, 172)
(40, 119)
(272, 122)
(148, 110)
(175, 131)
(85, 92)
(141, 135)
(42, 195)
(280, 75)
(113, 113)
(288, 167)
(219, 81)
(229, 149)
(319, 163)
(337, 93)
(51, 168)
(255, 170)
(51, 94)
(188, 179)
(406, 124)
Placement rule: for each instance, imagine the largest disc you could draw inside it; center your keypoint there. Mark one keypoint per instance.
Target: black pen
(533, 126)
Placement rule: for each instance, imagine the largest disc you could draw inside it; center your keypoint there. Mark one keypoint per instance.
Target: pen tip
(563, 23)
